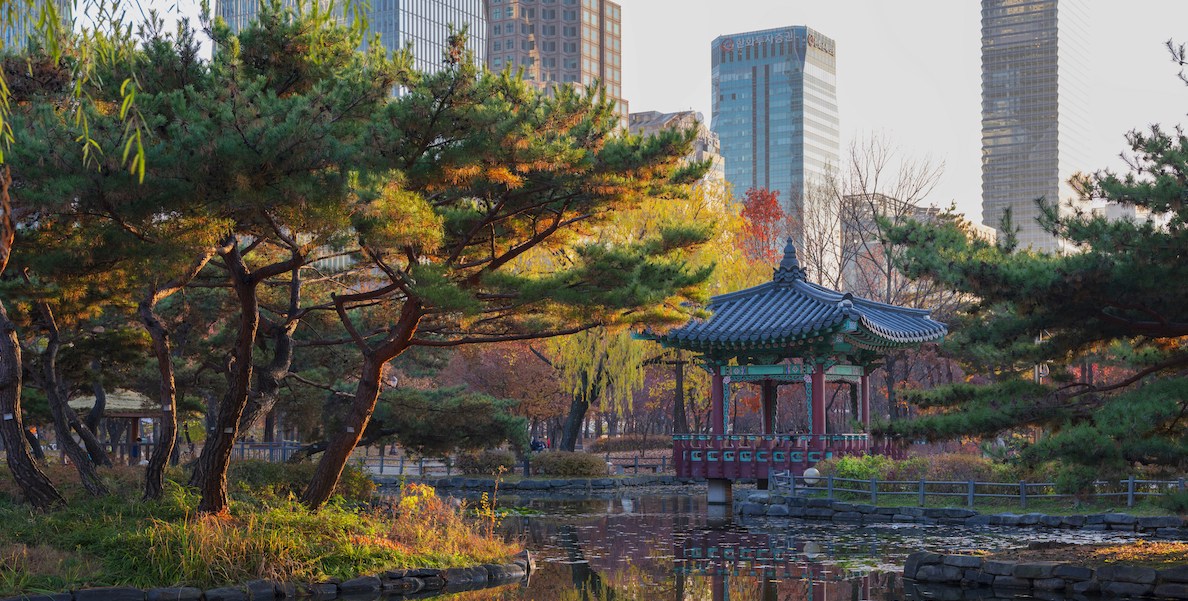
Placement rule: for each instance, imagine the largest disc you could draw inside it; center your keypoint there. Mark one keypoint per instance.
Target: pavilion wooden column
(717, 411)
(818, 406)
(768, 396)
(864, 399)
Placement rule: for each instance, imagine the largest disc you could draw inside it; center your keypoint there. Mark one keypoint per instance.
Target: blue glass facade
(775, 110)
(15, 33)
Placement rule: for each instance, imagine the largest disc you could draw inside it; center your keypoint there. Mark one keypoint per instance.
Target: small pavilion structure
(787, 331)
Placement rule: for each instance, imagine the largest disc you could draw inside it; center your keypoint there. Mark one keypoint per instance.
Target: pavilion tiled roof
(789, 310)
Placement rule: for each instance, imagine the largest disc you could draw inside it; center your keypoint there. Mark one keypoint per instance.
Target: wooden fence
(1131, 489)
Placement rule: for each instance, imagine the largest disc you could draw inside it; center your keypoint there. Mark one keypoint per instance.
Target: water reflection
(664, 548)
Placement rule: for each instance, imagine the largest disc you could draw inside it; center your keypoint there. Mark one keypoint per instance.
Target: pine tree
(1115, 300)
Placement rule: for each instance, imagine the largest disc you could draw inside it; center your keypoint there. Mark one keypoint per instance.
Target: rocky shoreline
(971, 571)
(771, 504)
(425, 582)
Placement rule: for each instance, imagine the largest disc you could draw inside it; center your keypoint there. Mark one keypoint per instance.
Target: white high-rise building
(1033, 110)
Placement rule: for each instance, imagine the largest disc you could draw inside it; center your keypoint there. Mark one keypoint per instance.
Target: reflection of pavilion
(773, 562)
(787, 331)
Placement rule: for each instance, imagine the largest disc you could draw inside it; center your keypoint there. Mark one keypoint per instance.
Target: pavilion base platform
(720, 491)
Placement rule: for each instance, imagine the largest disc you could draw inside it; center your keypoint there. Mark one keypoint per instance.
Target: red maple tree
(764, 225)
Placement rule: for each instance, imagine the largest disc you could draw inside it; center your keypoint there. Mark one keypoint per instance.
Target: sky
(908, 71)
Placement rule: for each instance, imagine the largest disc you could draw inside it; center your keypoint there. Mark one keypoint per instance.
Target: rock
(888, 510)
(261, 590)
(963, 561)
(957, 512)
(818, 503)
(1011, 582)
(1095, 527)
(1122, 527)
(536, 484)
(433, 583)
(505, 573)
(847, 516)
(778, 510)
(423, 572)
(917, 559)
(1030, 519)
(1071, 572)
(904, 519)
(1125, 573)
(953, 521)
(978, 521)
(599, 483)
(1172, 532)
(998, 567)
(1004, 519)
(1037, 569)
(1084, 587)
(1048, 584)
(292, 590)
(759, 496)
(752, 509)
(1072, 521)
(1159, 521)
(1120, 518)
(110, 593)
(465, 576)
(1051, 521)
(876, 518)
(183, 593)
(404, 586)
(939, 573)
(1094, 518)
(1126, 589)
(843, 507)
(1173, 590)
(977, 578)
(321, 591)
(916, 512)
(1176, 574)
(360, 585)
(225, 593)
(818, 513)
(866, 509)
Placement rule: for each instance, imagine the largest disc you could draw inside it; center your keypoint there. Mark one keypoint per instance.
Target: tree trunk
(573, 423)
(96, 412)
(35, 445)
(33, 482)
(210, 472)
(680, 422)
(65, 420)
(154, 475)
(340, 444)
(269, 380)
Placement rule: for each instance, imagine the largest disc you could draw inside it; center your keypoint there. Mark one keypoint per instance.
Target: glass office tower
(775, 111)
(423, 24)
(16, 33)
(1033, 107)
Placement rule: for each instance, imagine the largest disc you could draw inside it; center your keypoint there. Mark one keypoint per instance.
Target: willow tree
(485, 228)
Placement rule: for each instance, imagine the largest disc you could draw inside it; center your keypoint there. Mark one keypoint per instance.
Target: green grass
(122, 541)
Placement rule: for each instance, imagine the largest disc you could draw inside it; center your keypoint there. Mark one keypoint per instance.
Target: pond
(665, 546)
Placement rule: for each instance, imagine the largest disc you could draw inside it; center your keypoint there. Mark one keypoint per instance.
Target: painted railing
(739, 456)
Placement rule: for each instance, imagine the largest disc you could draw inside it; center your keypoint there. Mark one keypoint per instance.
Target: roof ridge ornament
(789, 269)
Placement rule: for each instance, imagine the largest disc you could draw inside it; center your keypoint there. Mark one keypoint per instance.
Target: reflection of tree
(586, 581)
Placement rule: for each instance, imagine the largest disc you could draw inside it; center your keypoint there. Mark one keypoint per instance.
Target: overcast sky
(909, 70)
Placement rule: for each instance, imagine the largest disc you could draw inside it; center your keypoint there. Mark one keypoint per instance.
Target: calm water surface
(661, 548)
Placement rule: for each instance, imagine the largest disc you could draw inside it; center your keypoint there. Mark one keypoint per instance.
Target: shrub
(562, 463)
(261, 479)
(1174, 501)
(856, 467)
(947, 467)
(486, 462)
(630, 442)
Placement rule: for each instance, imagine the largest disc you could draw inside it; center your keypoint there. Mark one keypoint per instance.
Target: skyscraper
(1033, 96)
(705, 148)
(16, 33)
(423, 24)
(775, 111)
(559, 41)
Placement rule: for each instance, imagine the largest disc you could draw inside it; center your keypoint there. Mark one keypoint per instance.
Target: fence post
(663, 463)
(421, 466)
(829, 486)
(969, 494)
(921, 492)
(1130, 491)
(637, 465)
(874, 491)
(1023, 494)
(1181, 483)
(381, 461)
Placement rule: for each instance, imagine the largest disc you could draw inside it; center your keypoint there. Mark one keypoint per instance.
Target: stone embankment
(476, 484)
(971, 571)
(392, 582)
(777, 505)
